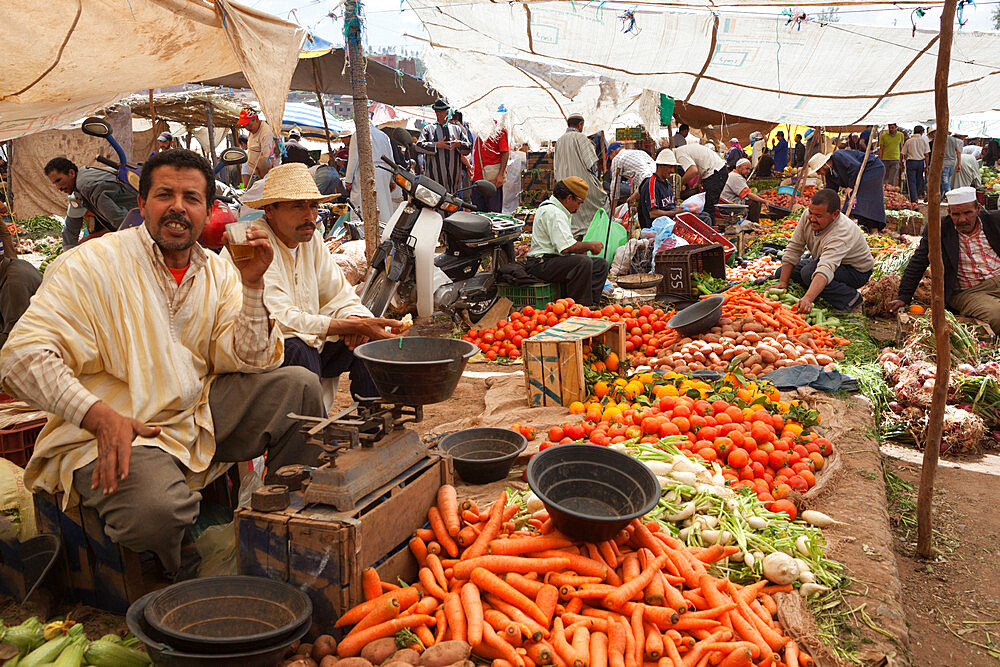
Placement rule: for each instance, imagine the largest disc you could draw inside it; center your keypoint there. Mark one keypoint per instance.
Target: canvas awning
(384, 83)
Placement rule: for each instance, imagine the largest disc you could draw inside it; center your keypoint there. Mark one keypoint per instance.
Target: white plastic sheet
(747, 65)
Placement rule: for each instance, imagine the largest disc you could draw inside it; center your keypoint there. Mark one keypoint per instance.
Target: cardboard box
(323, 551)
(553, 359)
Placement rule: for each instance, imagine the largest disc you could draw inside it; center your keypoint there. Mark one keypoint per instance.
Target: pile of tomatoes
(642, 324)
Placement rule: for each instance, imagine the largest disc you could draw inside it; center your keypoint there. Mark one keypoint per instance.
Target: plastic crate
(536, 295)
(690, 228)
(17, 444)
(677, 265)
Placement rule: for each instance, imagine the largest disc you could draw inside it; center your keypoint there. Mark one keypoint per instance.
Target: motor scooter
(405, 270)
(128, 174)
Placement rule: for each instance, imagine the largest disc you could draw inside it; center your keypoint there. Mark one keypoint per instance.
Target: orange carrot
(441, 532)
(598, 649)
(514, 547)
(447, 502)
(748, 593)
(574, 606)
(513, 634)
(473, 607)
(608, 554)
(638, 633)
(654, 643)
(494, 641)
(655, 593)
(581, 644)
(426, 534)
(730, 646)
(540, 654)
(490, 530)
(647, 539)
(434, 565)
(387, 610)
(579, 564)
(699, 649)
(633, 588)
(538, 631)
(748, 632)
(563, 647)
(630, 660)
(546, 599)
(617, 644)
(442, 625)
(738, 658)
(371, 585)
(500, 662)
(457, 627)
(430, 585)
(434, 547)
(405, 596)
(425, 635)
(419, 550)
(491, 583)
(427, 605)
(351, 646)
(497, 619)
(672, 657)
(470, 517)
(505, 564)
(630, 567)
(589, 622)
(529, 587)
(673, 599)
(564, 579)
(792, 654)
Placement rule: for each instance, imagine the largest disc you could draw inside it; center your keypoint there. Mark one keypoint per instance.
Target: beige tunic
(574, 156)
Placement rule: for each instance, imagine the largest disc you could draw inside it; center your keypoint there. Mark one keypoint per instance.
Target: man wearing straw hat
(321, 316)
(158, 365)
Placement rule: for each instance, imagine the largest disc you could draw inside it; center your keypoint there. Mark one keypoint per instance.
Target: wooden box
(553, 359)
(323, 551)
(539, 160)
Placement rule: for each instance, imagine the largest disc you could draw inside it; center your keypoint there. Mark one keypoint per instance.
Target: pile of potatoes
(379, 653)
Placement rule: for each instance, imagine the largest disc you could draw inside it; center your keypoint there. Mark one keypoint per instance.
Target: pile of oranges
(753, 436)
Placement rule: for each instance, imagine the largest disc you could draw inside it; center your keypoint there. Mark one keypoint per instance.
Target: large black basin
(416, 370)
(483, 455)
(699, 317)
(590, 491)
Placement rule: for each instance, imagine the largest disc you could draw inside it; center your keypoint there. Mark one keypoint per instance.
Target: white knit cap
(961, 196)
(742, 161)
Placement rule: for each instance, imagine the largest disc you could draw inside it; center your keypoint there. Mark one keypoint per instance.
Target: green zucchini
(72, 655)
(27, 636)
(104, 653)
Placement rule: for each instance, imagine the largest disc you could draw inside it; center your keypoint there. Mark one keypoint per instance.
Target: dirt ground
(952, 601)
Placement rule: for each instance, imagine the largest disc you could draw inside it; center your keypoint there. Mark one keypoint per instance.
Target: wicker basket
(639, 280)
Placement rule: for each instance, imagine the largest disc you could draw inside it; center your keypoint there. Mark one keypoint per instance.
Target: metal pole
(322, 110)
(939, 397)
(210, 126)
(362, 133)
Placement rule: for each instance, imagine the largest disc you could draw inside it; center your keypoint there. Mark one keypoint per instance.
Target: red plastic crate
(17, 444)
(690, 228)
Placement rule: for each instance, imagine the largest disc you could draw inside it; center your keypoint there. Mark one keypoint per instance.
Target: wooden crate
(323, 551)
(553, 360)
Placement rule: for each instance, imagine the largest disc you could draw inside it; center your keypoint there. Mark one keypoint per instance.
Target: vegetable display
(63, 643)
(520, 594)
(762, 267)
(894, 199)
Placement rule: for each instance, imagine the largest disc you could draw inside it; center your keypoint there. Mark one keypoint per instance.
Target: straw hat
(817, 161)
(288, 182)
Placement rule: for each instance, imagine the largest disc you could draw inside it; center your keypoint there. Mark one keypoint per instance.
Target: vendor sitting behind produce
(321, 316)
(656, 193)
(555, 256)
(970, 247)
(841, 260)
(738, 192)
(157, 362)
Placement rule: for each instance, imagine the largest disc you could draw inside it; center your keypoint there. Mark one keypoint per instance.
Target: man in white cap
(575, 156)
(841, 261)
(657, 197)
(738, 192)
(970, 248)
(322, 318)
(157, 362)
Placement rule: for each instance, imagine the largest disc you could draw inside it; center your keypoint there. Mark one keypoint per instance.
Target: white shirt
(915, 148)
(381, 147)
(706, 159)
(634, 164)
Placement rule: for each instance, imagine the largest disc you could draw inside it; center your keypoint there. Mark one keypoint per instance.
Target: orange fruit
(785, 507)
(917, 309)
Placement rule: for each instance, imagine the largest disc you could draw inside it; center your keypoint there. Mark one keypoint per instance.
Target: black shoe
(857, 304)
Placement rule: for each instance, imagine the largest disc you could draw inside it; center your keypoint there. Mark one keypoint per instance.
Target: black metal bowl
(699, 317)
(777, 212)
(164, 654)
(416, 370)
(590, 491)
(483, 455)
(223, 614)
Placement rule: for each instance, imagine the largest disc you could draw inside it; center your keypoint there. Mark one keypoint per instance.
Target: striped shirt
(110, 323)
(444, 165)
(633, 164)
(977, 261)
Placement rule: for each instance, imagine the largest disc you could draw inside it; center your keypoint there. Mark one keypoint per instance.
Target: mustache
(175, 217)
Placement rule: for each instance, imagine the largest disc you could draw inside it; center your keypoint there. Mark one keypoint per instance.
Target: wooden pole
(861, 172)
(362, 132)
(210, 126)
(939, 397)
(322, 110)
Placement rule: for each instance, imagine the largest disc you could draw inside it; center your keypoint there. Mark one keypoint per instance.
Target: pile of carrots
(743, 302)
(530, 596)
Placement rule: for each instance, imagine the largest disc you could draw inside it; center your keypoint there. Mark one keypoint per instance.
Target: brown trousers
(981, 302)
(154, 506)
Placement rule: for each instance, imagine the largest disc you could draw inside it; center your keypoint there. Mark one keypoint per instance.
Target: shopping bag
(598, 231)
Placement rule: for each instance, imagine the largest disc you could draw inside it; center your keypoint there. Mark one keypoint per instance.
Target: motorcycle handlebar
(106, 161)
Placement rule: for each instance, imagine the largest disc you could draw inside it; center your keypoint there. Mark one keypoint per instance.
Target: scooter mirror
(401, 136)
(485, 188)
(233, 156)
(96, 127)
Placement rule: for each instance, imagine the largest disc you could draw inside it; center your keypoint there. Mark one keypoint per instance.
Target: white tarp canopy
(745, 64)
(537, 97)
(63, 59)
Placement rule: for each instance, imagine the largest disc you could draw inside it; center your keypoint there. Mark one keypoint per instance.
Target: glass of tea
(239, 249)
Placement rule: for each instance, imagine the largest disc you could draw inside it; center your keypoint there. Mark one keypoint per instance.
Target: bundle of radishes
(895, 200)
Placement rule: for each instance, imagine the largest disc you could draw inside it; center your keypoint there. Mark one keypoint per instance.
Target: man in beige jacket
(841, 261)
(320, 314)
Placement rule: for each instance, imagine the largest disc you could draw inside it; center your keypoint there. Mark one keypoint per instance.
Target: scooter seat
(464, 225)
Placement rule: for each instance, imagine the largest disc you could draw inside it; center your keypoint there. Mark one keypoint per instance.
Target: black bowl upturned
(483, 455)
(590, 491)
(699, 317)
(165, 654)
(226, 614)
(416, 370)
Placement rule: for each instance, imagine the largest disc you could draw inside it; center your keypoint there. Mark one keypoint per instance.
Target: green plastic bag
(598, 231)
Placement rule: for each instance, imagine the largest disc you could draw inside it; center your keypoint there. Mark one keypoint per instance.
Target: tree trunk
(362, 133)
(935, 421)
